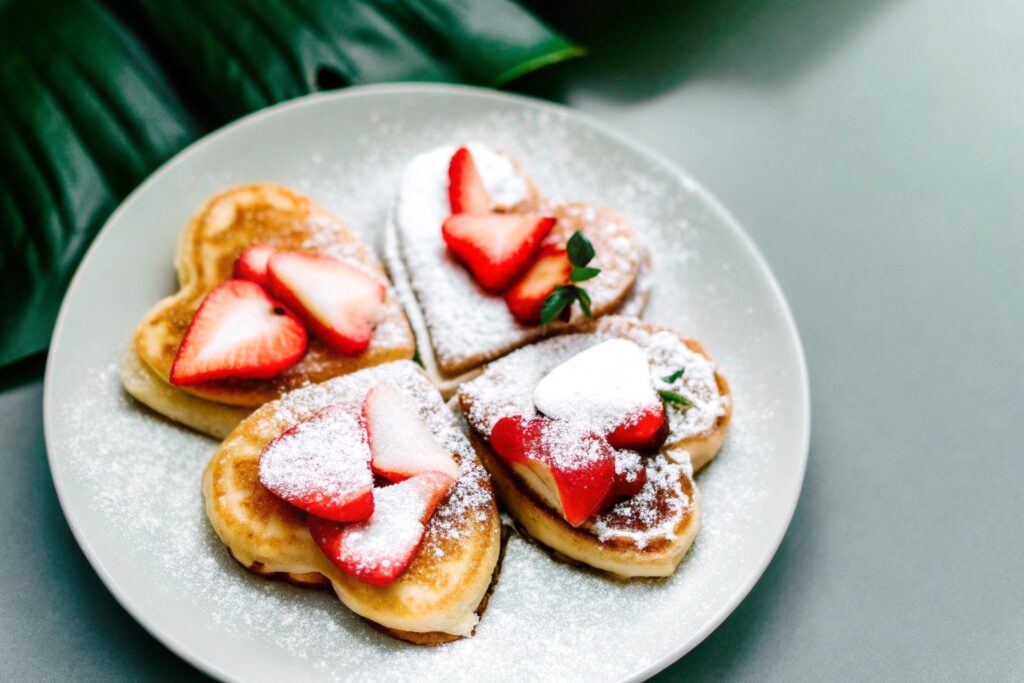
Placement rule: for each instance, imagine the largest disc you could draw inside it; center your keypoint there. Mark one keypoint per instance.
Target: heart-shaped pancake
(439, 597)
(648, 533)
(230, 222)
(463, 325)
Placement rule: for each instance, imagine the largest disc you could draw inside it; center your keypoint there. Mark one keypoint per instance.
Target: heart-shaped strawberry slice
(322, 465)
(401, 443)
(380, 548)
(607, 386)
(238, 332)
(496, 247)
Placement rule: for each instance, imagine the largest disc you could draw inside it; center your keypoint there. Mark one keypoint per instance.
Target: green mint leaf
(555, 303)
(673, 397)
(581, 274)
(674, 376)
(580, 250)
(584, 300)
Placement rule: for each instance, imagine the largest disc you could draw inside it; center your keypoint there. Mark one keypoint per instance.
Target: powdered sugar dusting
(569, 446)
(391, 531)
(325, 455)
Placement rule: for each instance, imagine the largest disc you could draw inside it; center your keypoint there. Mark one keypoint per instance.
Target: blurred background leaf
(95, 96)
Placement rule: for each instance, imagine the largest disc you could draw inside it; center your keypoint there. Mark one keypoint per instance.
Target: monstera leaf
(94, 96)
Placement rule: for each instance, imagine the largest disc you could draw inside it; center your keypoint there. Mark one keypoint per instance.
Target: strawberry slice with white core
(380, 548)
(401, 443)
(251, 264)
(238, 332)
(340, 303)
(569, 467)
(608, 387)
(466, 190)
(496, 247)
(526, 297)
(322, 465)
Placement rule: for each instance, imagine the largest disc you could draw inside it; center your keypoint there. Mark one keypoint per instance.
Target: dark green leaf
(674, 376)
(556, 303)
(86, 114)
(581, 251)
(674, 398)
(87, 109)
(246, 54)
(583, 274)
(584, 299)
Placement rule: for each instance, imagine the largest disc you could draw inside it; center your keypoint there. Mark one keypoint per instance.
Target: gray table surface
(874, 149)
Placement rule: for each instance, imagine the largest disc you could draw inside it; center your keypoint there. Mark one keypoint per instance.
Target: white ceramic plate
(129, 482)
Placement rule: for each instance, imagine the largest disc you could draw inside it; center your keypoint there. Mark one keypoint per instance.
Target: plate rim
(202, 663)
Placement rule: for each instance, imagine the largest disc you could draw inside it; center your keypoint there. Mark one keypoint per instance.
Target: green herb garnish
(580, 252)
(674, 376)
(674, 398)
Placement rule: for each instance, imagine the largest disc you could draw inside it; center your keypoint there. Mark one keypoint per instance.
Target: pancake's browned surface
(228, 223)
(437, 596)
(620, 539)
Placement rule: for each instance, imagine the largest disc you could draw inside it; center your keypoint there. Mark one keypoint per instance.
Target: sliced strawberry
(496, 247)
(238, 332)
(642, 430)
(251, 264)
(567, 466)
(401, 444)
(380, 548)
(466, 190)
(322, 465)
(338, 302)
(526, 298)
(630, 475)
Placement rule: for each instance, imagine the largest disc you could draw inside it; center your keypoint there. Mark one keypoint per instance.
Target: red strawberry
(575, 468)
(379, 549)
(630, 475)
(401, 444)
(526, 298)
(641, 430)
(252, 263)
(322, 465)
(466, 190)
(338, 302)
(238, 332)
(496, 247)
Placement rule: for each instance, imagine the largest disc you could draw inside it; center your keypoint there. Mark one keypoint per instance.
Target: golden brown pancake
(260, 213)
(437, 598)
(645, 535)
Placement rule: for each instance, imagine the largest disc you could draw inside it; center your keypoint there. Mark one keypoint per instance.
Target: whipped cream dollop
(599, 386)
